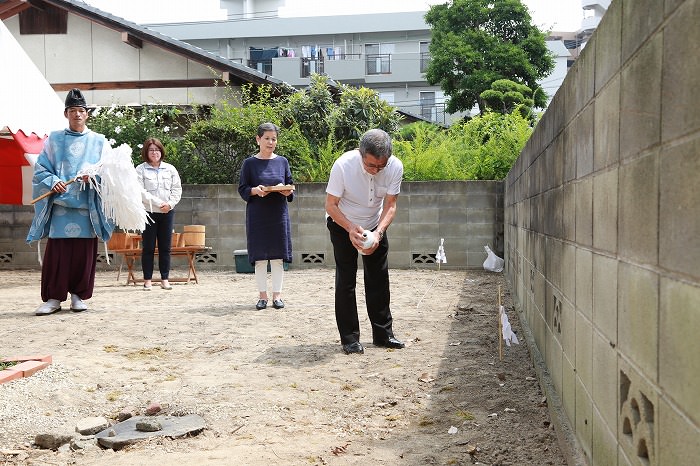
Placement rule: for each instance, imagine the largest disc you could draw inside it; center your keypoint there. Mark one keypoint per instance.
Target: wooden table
(130, 256)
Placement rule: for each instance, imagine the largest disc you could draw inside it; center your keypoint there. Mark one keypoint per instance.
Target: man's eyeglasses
(376, 167)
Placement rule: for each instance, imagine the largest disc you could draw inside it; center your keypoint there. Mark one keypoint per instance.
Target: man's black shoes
(354, 347)
(390, 342)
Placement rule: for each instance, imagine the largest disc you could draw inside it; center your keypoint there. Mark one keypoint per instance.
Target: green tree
(477, 42)
(505, 96)
(215, 145)
(359, 110)
(123, 124)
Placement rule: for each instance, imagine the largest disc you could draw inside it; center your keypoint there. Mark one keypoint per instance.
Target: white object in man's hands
(369, 239)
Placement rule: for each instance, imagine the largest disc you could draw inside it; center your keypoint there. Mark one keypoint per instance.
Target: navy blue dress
(267, 218)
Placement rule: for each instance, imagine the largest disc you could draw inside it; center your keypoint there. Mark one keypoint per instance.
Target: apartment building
(385, 52)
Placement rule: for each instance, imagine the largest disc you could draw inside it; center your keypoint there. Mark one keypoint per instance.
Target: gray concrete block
(584, 418)
(568, 201)
(640, 120)
(568, 153)
(603, 441)
(569, 331)
(585, 62)
(583, 141)
(583, 293)
(608, 41)
(605, 286)
(605, 210)
(568, 271)
(605, 385)
(639, 21)
(638, 317)
(679, 209)
(553, 359)
(584, 212)
(424, 215)
(679, 346)
(606, 140)
(638, 214)
(679, 440)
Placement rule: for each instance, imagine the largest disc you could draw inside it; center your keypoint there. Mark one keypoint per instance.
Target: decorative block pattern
(422, 258)
(313, 258)
(206, 258)
(636, 422)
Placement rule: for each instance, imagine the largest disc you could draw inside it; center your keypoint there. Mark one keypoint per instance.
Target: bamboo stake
(500, 327)
(48, 193)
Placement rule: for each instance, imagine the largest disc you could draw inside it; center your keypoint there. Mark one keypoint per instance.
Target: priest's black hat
(75, 99)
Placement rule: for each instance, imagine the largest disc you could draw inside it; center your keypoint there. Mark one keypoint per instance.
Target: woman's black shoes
(262, 304)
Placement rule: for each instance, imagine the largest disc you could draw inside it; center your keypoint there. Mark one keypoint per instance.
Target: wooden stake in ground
(500, 328)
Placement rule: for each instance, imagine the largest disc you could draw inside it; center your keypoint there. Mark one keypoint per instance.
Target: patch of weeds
(426, 422)
(392, 417)
(147, 353)
(170, 378)
(293, 385)
(114, 396)
(347, 387)
(110, 348)
(5, 364)
(466, 415)
(446, 388)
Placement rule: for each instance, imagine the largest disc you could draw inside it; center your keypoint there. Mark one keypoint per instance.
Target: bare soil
(274, 386)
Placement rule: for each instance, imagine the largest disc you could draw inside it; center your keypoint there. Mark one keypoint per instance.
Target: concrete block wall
(467, 214)
(602, 214)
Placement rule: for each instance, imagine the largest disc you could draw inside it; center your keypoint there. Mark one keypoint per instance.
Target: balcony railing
(310, 66)
(431, 112)
(378, 63)
(261, 66)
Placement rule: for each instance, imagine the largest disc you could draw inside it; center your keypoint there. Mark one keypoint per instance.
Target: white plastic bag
(493, 263)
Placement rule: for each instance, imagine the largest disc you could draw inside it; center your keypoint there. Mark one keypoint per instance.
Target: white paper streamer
(119, 188)
(440, 256)
(508, 334)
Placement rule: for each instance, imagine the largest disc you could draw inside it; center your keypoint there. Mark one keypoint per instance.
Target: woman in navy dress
(267, 218)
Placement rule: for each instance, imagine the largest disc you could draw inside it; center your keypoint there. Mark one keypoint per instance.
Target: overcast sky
(559, 15)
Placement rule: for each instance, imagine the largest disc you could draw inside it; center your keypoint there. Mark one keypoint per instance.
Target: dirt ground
(274, 386)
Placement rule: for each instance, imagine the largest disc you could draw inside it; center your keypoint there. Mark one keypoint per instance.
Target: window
(432, 105)
(424, 56)
(378, 58)
(388, 97)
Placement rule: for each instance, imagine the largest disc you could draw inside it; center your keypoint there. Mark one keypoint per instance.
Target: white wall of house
(90, 52)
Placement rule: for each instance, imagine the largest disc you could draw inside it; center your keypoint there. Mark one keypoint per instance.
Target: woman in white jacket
(162, 191)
